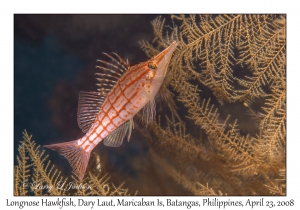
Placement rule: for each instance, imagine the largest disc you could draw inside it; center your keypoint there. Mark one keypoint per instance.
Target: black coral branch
(240, 59)
(36, 175)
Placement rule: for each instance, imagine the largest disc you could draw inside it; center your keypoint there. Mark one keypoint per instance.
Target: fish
(107, 114)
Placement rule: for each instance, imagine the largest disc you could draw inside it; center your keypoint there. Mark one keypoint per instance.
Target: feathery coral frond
(36, 175)
(240, 59)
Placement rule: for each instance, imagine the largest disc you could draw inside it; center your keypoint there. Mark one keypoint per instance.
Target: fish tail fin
(75, 154)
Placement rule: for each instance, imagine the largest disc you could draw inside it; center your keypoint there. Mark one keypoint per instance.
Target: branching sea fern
(36, 175)
(226, 78)
(240, 59)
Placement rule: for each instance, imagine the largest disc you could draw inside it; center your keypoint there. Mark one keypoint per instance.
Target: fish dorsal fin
(89, 104)
(115, 138)
(111, 72)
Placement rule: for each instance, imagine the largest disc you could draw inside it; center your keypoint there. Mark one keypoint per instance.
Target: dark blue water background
(54, 59)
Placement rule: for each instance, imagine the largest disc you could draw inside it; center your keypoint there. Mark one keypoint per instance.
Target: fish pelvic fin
(75, 154)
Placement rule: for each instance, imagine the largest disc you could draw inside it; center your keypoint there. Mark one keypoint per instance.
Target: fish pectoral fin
(89, 104)
(115, 138)
(149, 111)
(130, 127)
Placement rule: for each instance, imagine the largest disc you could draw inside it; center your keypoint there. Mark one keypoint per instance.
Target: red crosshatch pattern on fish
(107, 115)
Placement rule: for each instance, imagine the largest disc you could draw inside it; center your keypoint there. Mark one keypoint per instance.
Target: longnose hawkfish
(108, 113)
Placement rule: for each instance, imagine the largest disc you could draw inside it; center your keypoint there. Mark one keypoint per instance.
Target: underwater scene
(150, 104)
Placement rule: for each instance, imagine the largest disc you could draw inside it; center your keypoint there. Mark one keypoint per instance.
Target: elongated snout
(163, 59)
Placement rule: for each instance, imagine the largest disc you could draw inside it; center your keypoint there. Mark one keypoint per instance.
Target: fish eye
(152, 65)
